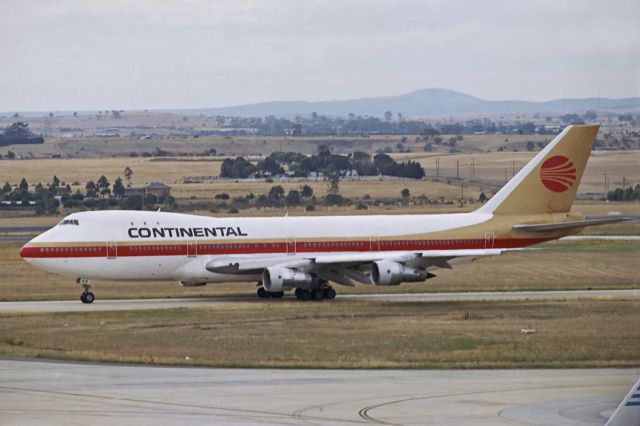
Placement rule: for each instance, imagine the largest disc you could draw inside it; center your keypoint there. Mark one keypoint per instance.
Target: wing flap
(558, 226)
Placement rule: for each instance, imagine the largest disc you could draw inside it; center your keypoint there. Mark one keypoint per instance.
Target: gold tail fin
(548, 183)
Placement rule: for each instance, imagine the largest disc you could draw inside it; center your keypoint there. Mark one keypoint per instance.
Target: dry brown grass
(492, 166)
(585, 333)
(487, 166)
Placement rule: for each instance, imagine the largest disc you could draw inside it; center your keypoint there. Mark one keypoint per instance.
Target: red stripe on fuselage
(201, 249)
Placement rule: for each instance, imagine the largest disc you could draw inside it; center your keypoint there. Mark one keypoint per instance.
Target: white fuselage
(135, 245)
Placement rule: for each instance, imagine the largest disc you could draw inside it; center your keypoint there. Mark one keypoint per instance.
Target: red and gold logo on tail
(558, 173)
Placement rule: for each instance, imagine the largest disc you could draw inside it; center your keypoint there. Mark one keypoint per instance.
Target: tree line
(325, 162)
(19, 133)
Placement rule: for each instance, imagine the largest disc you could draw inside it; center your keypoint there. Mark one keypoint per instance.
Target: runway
(139, 304)
(42, 392)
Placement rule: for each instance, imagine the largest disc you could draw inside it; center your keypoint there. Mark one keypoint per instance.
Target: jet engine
(386, 272)
(277, 278)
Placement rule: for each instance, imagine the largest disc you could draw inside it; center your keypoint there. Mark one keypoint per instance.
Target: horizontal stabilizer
(558, 226)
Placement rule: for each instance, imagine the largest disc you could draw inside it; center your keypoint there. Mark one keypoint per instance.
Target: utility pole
(513, 168)
(458, 169)
(505, 175)
(437, 168)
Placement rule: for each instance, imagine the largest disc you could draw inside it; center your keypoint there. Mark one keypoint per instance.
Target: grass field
(490, 167)
(341, 335)
(555, 266)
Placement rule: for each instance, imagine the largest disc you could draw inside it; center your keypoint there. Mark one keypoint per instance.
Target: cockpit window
(69, 222)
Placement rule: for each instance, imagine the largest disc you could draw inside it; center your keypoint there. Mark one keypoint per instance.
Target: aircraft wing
(344, 268)
(628, 412)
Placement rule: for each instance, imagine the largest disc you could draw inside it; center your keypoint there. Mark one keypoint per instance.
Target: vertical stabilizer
(549, 182)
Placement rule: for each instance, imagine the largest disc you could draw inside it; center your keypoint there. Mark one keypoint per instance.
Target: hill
(420, 103)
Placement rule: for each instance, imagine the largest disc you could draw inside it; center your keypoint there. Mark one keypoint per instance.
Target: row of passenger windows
(69, 222)
(345, 244)
(69, 249)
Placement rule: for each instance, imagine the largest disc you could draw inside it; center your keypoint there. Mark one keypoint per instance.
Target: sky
(154, 54)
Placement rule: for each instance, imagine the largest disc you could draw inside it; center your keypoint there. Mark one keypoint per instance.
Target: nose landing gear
(87, 296)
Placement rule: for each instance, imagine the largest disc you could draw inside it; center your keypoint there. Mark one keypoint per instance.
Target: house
(157, 189)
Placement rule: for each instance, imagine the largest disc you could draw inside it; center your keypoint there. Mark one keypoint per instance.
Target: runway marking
(259, 413)
(364, 412)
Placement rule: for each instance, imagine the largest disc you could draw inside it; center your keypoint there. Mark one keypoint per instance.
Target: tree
(118, 188)
(590, 115)
(332, 179)
(293, 197)
(6, 189)
(128, 174)
(483, 197)
(91, 189)
(102, 185)
(405, 193)
(271, 166)
(24, 186)
(530, 146)
(276, 193)
(238, 168)
(388, 116)
(55, 184)
(132, 202)
(306, 191)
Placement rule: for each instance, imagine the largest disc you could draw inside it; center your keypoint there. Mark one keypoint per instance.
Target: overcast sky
(121, 54)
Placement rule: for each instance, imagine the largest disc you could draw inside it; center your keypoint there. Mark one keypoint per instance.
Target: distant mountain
(420, 103)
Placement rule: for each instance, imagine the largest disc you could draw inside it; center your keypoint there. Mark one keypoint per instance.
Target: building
(157, 189)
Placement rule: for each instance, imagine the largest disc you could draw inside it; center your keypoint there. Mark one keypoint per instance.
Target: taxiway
(43, 392)
(203, 302)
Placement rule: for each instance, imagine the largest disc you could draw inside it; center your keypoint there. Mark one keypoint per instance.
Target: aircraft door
(489, 240)
(291, 245)
(112, 250)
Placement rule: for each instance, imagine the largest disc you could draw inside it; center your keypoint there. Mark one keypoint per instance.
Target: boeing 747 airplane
(306, 254)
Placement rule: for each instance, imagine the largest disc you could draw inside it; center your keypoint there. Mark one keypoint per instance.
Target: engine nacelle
(386, 272)
(277, 278)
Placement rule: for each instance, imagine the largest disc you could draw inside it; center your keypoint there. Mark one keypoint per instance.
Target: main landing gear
(315, 294)
(87, 296)
(303, 294)
(264, 294)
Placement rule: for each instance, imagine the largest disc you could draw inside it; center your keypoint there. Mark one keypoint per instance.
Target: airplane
(306, 254)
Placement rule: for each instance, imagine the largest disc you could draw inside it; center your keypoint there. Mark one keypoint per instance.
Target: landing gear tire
(277, 294)
(329, 293)
(303, 294)
(87, 297)
(263, 294)
(317, 294)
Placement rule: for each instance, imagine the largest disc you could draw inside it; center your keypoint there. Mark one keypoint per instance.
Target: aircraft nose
(26, 250)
